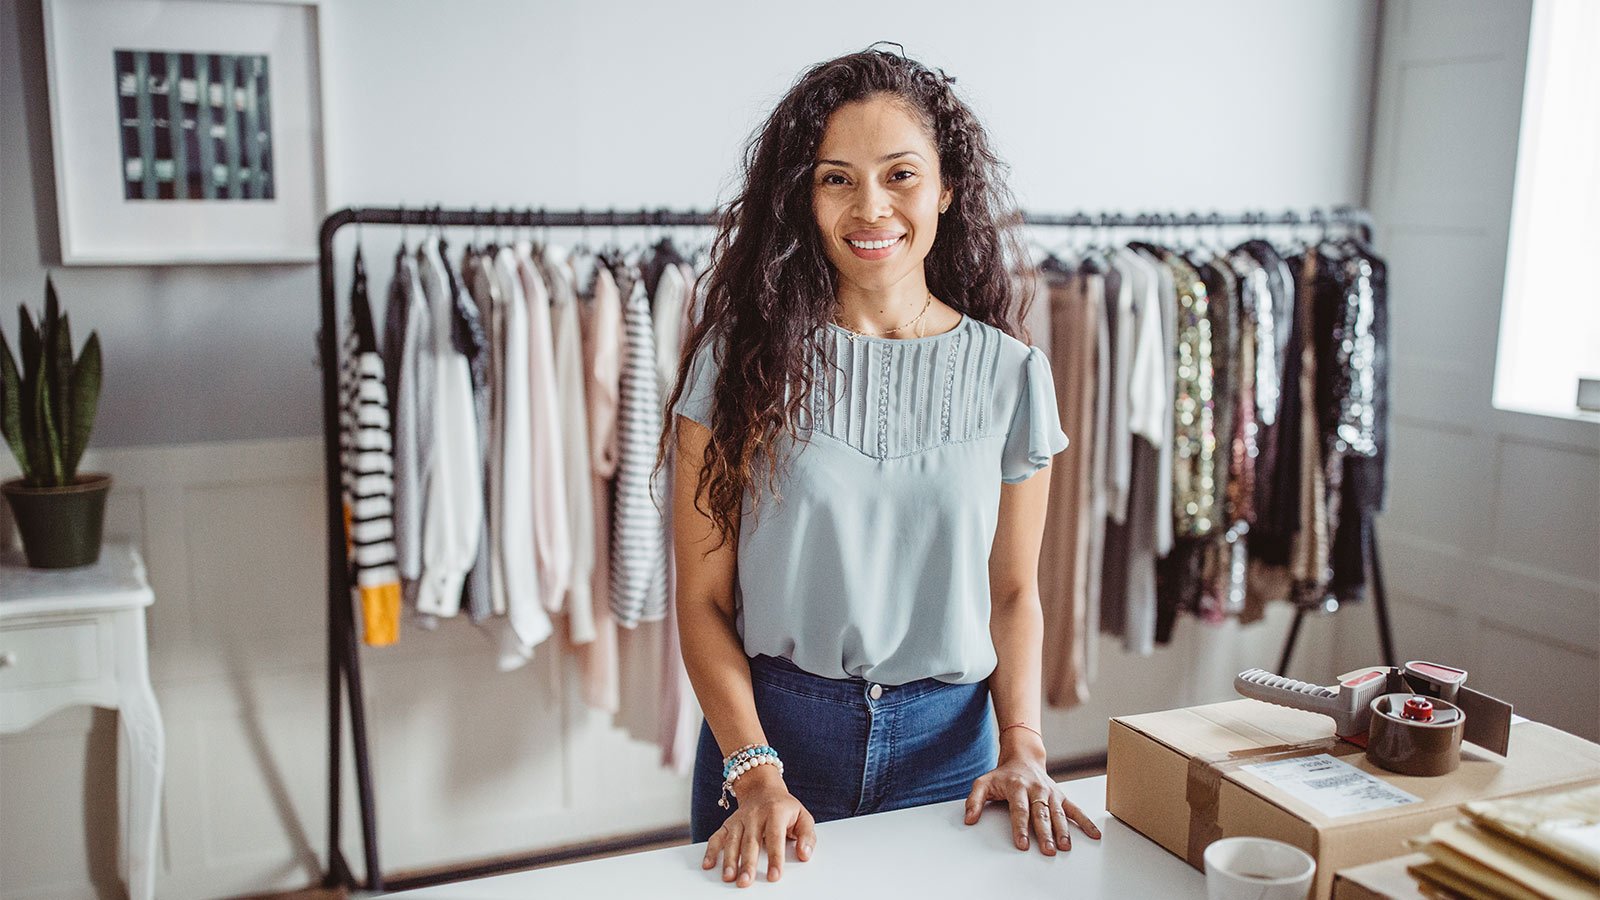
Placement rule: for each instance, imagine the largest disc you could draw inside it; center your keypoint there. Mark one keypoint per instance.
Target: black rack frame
(344, 661)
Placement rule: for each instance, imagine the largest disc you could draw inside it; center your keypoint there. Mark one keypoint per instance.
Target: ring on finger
(1064, 830)
(1046, 826)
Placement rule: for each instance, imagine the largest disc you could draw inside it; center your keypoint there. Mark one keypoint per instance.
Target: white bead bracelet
(740, 769)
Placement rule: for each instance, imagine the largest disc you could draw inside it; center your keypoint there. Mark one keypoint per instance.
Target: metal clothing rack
(344, 661)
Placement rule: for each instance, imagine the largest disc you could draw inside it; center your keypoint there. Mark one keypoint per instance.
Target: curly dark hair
(771, 287)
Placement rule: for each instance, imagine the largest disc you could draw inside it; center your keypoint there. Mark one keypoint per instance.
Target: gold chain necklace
(854, 333)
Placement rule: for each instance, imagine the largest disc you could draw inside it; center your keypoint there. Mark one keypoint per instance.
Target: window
(1550, 312)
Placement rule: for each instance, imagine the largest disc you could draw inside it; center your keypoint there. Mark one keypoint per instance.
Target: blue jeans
(846, 752)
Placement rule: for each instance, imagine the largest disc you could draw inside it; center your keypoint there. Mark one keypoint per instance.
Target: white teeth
(873, 245)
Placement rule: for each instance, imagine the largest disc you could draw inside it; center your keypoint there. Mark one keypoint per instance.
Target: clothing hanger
(1218, 246)
(1193, 249)
(402, 250)
(438, 232)
(1150, 237)
(1292, 244)
(496, 233)
(361, 312)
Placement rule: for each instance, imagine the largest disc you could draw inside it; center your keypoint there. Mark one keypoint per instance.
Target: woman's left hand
(1036, 803)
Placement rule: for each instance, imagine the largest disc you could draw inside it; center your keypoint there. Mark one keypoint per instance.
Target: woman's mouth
(875, 249)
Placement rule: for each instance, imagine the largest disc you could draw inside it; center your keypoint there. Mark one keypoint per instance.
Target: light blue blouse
(874, 562)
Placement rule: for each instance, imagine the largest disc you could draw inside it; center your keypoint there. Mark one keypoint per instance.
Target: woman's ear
(945, 199)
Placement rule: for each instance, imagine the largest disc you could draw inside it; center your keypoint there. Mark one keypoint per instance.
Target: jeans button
(876, 691)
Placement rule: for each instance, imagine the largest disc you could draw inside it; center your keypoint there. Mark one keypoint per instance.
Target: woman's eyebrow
(883, 159)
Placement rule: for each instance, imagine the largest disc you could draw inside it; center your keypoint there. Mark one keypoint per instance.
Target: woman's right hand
(766, 817)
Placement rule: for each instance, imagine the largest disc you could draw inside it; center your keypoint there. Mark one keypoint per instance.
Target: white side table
(76, 636)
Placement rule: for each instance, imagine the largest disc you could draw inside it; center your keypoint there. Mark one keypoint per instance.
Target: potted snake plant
(47, 409)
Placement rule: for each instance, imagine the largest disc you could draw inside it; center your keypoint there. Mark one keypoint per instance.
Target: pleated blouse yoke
(873, 563)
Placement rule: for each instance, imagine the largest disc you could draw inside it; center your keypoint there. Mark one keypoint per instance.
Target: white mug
(1257, 868)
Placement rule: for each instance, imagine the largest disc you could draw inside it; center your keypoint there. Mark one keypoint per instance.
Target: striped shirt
(367, 473)
(638, 549)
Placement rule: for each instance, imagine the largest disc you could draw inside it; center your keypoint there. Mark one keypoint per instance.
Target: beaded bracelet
(744, 754)
(743, 767)
(743, 749)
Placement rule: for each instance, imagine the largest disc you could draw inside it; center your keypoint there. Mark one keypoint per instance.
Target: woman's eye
(906, 172)
(830, 178)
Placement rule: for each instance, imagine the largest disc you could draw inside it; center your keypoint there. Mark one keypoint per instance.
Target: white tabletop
(117, 580)
(923, 852)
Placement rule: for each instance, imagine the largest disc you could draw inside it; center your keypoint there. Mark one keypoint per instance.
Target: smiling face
(876, 193)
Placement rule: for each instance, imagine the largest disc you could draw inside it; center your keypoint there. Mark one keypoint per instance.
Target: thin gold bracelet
(1023, 725)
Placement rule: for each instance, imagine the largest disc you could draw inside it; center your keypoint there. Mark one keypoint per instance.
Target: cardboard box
(1386, 880)
(1179, 777)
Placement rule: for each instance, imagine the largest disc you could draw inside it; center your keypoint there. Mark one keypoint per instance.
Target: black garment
(663, 254)
(1362, 491)
(1178, 583)
(1268, 515)
(396, 323)
(1278, 518)
(361, 308)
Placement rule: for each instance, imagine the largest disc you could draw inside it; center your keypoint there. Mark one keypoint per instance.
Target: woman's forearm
(720, 674)
(1016, 624)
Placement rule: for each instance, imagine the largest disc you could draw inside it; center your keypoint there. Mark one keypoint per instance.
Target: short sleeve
(1035, 434)
(699, 384)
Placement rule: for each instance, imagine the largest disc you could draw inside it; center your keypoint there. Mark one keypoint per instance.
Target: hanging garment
(1194, 497)
(638, 553)
(1244, 448)
(1356, 412)
(527, 622)
(552, 544)
(1064, 549)
(666, 318)
(1128, 600)
(1272, 521)
(1112, 598)
(1119, 437)
(1222, 595)
(680, 713)
(367, 469)
(1278, 506)
(472, 341)
(601, 321)
(408, 362)
(1195, 505)
(452, 528)
(1099, 300)
(1308, 550)
(488, 292)
(577, 479)
(1166, 461)
(1250, 299)
(691, 301)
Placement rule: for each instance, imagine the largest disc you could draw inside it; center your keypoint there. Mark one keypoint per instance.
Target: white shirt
(452, 523)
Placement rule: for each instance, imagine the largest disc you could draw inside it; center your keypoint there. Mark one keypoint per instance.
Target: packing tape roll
(1415, 735)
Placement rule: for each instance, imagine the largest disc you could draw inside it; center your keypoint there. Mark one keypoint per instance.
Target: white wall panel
(1491, 543)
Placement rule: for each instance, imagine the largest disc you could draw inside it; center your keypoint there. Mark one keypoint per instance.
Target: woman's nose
(872, 202)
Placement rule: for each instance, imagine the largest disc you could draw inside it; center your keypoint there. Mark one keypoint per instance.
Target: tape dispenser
(1411, 719)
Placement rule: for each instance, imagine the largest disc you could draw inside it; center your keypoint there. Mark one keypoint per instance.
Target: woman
(849, 618)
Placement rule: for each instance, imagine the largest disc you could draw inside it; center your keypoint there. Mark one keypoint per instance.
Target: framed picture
(185, 131)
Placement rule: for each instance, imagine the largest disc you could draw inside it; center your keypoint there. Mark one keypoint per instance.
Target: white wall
(1096, 105)
(1490, 543)
(629, 103)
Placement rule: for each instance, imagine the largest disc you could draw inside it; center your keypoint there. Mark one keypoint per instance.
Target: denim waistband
(777, 670)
